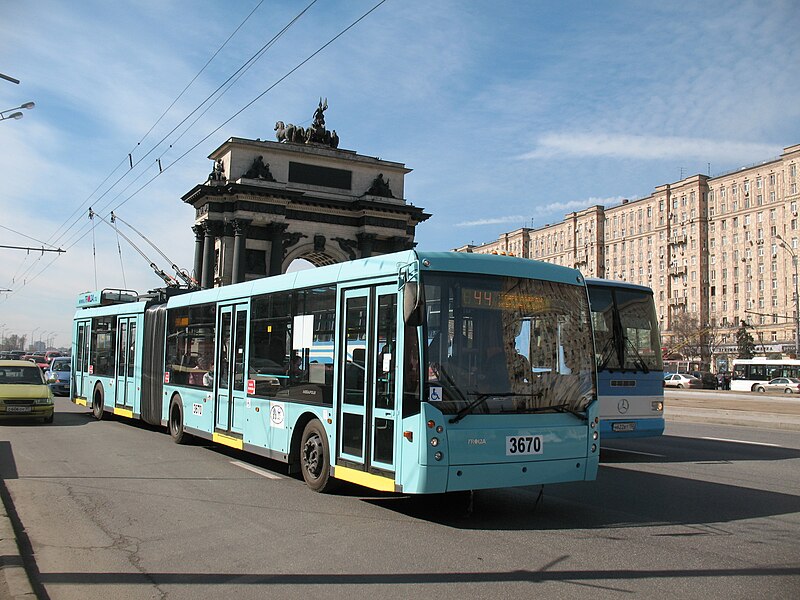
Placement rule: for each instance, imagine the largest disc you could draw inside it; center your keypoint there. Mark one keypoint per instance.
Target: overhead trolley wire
(80, 208)
(82, 233)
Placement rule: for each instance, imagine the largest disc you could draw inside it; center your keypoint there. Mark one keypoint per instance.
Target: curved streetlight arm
(18, 114)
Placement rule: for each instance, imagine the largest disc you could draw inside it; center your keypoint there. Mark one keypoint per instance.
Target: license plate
(18, 409)
(520, 445)
(623, 426)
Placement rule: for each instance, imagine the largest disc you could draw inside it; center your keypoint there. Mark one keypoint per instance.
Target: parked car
(23, 391)
(787, 385)
(682, 380)
(58, 376)
(709, 379)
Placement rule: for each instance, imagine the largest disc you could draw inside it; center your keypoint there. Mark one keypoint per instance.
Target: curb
(733, 417)
(12, 567)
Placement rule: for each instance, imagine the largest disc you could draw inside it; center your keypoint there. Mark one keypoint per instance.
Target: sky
(509, 114)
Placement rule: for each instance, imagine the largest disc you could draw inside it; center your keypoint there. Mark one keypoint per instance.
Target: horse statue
(289, 133)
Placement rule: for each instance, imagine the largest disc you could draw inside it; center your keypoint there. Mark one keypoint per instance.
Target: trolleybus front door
(367, 392)
(126, 354)
(230, 368)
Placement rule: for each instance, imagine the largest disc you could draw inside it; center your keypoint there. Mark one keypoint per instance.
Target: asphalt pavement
(771, 411)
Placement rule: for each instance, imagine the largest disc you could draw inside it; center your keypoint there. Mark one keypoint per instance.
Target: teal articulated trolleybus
(410, 372)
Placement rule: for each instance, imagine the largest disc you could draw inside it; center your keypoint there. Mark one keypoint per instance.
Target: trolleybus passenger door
(126, 353)
(81, 367)
(367, 392)
(230, 368)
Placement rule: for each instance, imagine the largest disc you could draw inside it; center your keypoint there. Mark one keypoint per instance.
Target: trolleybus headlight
(431, 424)
(594, 435)
(594, 447)
(434, 442)
(438, 456)
(439, 429)
(659, 406)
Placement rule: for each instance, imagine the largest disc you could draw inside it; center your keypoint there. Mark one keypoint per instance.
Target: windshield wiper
(561, 408)
(451, 385)
(639, 358)
(606, 354)
(479, 398)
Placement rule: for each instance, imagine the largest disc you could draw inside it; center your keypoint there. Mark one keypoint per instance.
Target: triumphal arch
(266, 204)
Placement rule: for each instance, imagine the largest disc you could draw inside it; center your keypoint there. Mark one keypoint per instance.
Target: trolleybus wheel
(315, 458)
(179, 436)
(97, 404)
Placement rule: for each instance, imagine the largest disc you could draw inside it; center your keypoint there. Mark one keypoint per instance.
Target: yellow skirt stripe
(375, 482)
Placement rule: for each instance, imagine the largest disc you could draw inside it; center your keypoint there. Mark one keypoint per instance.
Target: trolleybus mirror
(413, 303)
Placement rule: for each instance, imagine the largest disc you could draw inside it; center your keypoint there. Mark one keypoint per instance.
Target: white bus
(748, 373)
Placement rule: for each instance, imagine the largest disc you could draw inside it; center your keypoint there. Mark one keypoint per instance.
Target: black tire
(787, 391)
(176, 431)
(97, 404)
(761, 389)
(680, 386)
(315, 458)
(48, 419)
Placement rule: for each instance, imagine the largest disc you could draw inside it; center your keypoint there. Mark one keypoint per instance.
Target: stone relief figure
(380, 187)
(291, 239)
(348, 246)
(218, 173)
(319, 243)
(259, 170)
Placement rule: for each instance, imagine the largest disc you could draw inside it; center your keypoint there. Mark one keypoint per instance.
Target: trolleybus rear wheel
(315, 458)
(179, 436)
(97, 404)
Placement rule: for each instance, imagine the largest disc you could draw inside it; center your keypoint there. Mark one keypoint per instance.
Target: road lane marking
(633, 452)
(714, 439)
(256, 470)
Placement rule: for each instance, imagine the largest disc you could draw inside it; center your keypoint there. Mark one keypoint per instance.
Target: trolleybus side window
(190, 345)
(103, 343)
(291, 345)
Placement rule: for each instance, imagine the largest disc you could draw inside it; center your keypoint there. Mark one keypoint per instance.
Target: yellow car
(24, 392)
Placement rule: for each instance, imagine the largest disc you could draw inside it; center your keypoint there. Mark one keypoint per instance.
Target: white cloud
(645, 147)
(493, 221)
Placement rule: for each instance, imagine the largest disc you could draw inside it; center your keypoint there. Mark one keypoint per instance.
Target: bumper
(59, 389)
(37, 411)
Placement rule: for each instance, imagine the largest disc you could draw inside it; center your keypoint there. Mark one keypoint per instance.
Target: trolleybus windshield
(507, 345)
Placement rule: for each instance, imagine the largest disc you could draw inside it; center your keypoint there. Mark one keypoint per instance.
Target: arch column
(275, 233)
(199, 232)
(211, 228)
(366, 244)
(239, 249)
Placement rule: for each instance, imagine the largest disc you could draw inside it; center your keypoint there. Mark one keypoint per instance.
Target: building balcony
(678, 239)
(679, 301)
(677, 271)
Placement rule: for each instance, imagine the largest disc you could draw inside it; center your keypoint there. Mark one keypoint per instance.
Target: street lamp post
(15, 115)
(789, 249)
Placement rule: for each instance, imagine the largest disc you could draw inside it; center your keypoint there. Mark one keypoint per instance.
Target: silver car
(787, 385)
(682, 380)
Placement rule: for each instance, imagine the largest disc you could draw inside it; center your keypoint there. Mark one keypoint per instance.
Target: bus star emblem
(623, 406)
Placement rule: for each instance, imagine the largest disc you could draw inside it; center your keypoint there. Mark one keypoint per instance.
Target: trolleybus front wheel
(315, 458)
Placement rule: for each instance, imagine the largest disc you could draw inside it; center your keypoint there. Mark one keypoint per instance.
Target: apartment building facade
(720, 250)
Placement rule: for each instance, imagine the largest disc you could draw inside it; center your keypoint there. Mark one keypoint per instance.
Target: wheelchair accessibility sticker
(434, 394)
